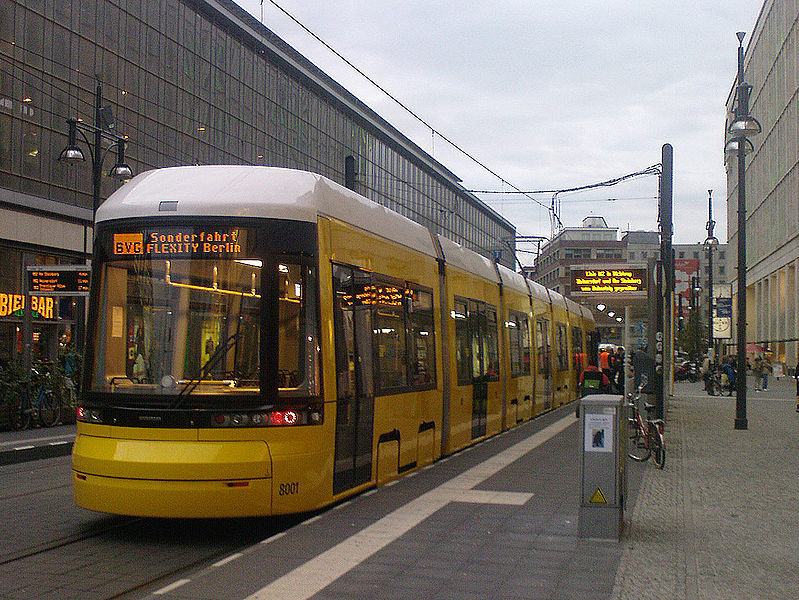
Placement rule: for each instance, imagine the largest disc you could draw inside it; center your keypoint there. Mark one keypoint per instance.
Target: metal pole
(742, 110)
(97, 160)
(663, 280)
(710, 240)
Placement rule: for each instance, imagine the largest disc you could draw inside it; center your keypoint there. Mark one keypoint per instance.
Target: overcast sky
(549, 95)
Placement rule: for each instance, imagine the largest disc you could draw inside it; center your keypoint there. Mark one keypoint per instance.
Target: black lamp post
(740, 129)
(103, 122)
(710, 243)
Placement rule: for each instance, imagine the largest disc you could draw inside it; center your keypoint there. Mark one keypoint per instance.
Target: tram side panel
(561, 384)
(517, 359)
(474, 361)
(383, 364)
(542, 340)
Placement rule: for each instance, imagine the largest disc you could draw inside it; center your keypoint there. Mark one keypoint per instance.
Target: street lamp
(103, 121)
(710, 243)
(740, 129)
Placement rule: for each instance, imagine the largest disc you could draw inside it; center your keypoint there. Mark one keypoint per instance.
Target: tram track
(66, 541)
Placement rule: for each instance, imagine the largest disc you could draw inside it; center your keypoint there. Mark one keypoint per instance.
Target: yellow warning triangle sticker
(598, 497)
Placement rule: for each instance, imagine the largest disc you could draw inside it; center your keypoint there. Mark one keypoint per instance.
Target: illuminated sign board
(13, 305)
(613, 281)
(165, 243)
(57, 281)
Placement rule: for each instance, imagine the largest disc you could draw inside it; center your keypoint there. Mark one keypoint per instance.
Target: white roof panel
(456, 255)
(266, 192)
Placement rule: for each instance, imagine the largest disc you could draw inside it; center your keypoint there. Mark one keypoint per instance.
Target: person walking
(729, 370)
(757, 371)
(796, 376)
(707, 375)
(766, 371)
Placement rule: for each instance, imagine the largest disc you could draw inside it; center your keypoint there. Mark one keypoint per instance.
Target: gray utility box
(603, 477)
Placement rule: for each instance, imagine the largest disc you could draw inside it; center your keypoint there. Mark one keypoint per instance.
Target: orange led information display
(609, 281)
(166, 243)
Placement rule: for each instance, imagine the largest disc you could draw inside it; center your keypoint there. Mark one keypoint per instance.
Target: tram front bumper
(172, 478)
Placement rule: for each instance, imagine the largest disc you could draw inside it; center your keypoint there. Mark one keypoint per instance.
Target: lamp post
(710, 243)
(742, 126)
(103, 122)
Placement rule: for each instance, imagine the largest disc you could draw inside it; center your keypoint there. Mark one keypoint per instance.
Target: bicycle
(646, 438)
(42, 405)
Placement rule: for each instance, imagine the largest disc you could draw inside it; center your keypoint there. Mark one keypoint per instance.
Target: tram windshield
(183, 326)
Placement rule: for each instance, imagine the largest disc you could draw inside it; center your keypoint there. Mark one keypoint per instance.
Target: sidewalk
(720, 521)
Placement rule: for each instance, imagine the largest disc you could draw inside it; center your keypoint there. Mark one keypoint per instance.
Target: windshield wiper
(210, 365)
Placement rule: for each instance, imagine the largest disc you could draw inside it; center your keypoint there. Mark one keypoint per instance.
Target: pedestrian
(757, 372)
(796, 376)
(766, 371)
(707, 375)
(729, 370)
(604, 360)
(620, 377)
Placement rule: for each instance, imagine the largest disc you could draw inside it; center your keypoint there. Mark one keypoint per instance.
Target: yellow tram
(265, 341)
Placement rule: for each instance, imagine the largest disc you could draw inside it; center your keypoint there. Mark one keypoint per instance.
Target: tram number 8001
(287, 489)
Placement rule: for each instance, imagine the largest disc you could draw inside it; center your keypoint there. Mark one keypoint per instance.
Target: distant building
(693, 260)
(594, 242)
(597, 244)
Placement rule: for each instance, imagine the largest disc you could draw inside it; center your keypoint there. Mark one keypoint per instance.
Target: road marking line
(225, 561)
(313, 576)
(171, 586)
(277, 536)
(39, 439)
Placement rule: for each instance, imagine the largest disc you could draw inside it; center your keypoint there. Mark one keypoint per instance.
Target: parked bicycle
(34, 400)
(646, 435)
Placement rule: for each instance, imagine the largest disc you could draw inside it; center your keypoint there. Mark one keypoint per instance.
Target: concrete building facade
(772, 182)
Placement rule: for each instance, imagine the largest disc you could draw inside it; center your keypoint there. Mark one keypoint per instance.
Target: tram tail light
(272, 418)
(89, 415)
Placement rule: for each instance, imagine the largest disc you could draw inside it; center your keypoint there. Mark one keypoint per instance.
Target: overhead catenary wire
(402, 105)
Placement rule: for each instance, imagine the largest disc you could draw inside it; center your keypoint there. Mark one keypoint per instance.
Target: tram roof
(257, 192)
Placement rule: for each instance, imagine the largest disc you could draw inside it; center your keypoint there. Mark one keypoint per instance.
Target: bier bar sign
(612, 281)
(58, 280)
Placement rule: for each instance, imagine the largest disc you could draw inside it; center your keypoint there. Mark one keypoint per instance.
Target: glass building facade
(191, 82)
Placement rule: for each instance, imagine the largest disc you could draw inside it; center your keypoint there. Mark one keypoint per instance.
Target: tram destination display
(612, 281)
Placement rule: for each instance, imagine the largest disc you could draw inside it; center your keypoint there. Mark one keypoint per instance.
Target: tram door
(543, 382)
(355, 390)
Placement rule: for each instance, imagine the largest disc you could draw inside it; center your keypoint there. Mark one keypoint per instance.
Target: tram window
(542, 345)
(421, 338)
(491, 366)
(562, 348)
(476, 320)
(185, 324)
(389, 337)
(519, 337)
(298, 355)
(463, 352)
(477, 351)
(577, 350)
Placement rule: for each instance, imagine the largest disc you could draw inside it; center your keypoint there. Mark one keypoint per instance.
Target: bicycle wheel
(49, 410)
(19, 411)
(658, 445)
(639, 446)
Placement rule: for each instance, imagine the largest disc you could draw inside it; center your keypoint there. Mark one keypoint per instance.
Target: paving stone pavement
(721, 520)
